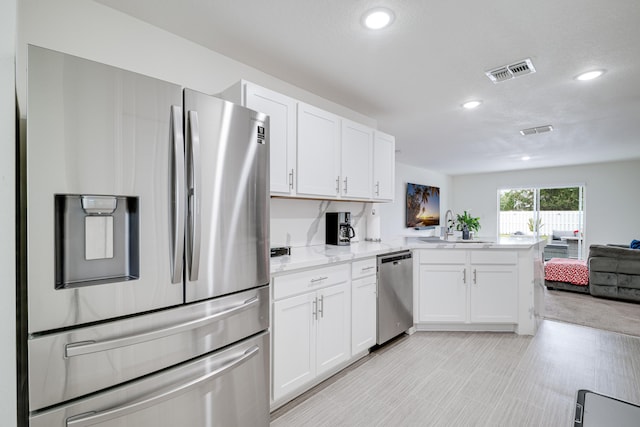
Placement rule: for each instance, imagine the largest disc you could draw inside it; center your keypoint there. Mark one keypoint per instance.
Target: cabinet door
(363, 314)
(318, 152)
(333, 327)
(384, 161)
(494, 294)
(357, 158)
(443, 293)
(282, 134)
(294, 343)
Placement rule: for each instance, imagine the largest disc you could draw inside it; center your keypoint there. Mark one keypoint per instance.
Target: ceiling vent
(539, 129)
(511, 71)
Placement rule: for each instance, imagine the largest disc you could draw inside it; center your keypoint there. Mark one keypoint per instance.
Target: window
(556, 214)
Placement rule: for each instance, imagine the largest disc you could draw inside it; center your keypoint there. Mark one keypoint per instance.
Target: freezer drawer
(225, 388)
(74, 363)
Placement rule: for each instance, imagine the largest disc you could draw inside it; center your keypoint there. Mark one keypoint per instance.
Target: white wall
(393, 214)
(7, 214)
(612, 197)
(94, 31)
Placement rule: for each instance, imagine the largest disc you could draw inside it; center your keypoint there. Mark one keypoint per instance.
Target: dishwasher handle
(394, 258)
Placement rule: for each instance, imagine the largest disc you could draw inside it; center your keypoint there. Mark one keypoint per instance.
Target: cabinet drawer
(443, 256)
(363, 268)
(494, 257)
(297, 283)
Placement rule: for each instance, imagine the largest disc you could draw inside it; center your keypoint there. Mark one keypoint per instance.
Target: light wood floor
(476, 379)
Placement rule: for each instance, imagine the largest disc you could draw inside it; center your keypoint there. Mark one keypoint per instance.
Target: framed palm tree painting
(423, 206)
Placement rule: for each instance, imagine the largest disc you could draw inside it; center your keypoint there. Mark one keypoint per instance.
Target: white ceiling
(413, 76)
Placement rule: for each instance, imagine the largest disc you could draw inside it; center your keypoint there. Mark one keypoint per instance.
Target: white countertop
(520, 242)
(314, 256)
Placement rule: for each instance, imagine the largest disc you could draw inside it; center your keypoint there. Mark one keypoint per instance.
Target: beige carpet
(600, 313)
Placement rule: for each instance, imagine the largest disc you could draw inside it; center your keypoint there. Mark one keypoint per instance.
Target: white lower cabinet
(363, 305)
(311, 331)
(333, 323)
(443, 293)
(468, 286)
(494, 294)
(294, 343)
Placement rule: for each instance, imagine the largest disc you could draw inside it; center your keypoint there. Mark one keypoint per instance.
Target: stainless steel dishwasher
(395, 294)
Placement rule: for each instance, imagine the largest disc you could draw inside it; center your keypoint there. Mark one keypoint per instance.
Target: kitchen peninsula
(479, 286)
(452, 275)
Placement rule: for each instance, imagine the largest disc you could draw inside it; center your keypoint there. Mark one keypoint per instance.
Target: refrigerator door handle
(193, 167)
(87, 347)
(92, 418)
(177, 195)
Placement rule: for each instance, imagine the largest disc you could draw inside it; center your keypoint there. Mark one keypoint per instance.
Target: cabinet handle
(321, 309)
(291, 179)
(345, 184)
(368, 268)
(377, 188)
(315, 309)
(319, 279)
(475, 279)
(338, 185)
(464, 276)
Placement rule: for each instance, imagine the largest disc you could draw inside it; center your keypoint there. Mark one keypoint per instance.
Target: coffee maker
(338, 228)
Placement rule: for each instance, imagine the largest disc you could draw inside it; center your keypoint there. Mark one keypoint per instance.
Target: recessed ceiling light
(471, 104)
(377, 19)
(525, 158)
(590, 75)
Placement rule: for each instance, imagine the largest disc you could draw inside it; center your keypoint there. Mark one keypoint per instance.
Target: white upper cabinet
(357, 159)
(384, 155)
(318, 152)
(282, 131)
(282, 135)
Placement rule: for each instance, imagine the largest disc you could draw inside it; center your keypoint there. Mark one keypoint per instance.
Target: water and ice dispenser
(96, 239)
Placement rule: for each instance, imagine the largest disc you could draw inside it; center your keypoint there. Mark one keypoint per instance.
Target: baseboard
(467, 327)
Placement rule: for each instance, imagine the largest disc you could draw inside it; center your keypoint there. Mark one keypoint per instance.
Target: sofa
(614, 272)
(557, 248)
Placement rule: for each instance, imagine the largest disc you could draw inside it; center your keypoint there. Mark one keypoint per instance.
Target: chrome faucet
(447, 229)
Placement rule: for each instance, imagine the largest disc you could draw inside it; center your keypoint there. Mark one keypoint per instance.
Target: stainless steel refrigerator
(146, 240)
